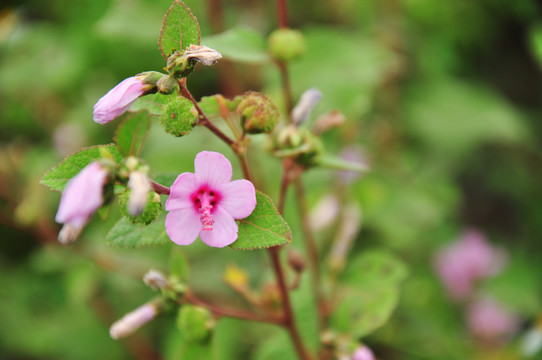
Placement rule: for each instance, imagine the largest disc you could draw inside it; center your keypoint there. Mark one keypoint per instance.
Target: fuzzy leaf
(180, 29)
(56, 178)
(132, 132)
(127, 235)
(264, 228)
(240, 44)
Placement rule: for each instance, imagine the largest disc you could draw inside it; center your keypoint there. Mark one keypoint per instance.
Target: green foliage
(132, 132)
(264, 228)
(179, 30)
(209, 105)
(370, 295)
(242, 44)
(56, 178)
(126, 234)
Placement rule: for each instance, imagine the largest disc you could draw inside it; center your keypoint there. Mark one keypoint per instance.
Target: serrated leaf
(127, 235)
(56, 178)
(179, 30)
(370, 294)
(264, 228)
(240, 44)
(151, 103)
(132, 132)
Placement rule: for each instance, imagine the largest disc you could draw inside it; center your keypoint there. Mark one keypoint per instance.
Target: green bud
(150, 78)
(152, 209)
(258, 113)
(178, 116)
(195, 322)
(167, 85)
(179, 66)
(300, 144)
(286, 44)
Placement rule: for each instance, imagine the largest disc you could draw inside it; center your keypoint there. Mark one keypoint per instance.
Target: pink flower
(206, 203)
(118, 99)
(466, 261)
(82, 196)
(363, 353)
(489, 321)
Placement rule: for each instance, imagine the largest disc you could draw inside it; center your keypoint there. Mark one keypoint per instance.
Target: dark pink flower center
(205, 201)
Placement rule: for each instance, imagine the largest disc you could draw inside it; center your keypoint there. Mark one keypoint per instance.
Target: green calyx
(149, 214)
(258, 113)
(178, 116)
(286, 44)
(195, 322)
(300, 144)
(179, 66)
(167, 85)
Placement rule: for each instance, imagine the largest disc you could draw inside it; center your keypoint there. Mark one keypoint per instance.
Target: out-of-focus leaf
(178, 265)
(131, 133)
(127, 235)
(56, 178)
(179, 30)
(264, 228)
(370, 294)
(239, 44)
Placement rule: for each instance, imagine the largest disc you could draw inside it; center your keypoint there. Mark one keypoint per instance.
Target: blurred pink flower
(489, 321)
(363, 353)
(206, 202)
(133, 321)
(466, 261)
(82, 196)
(118, 99)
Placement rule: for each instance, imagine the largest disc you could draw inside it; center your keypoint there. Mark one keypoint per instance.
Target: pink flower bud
(309, 99)
(118, 99)
(363, 353)
(489, 321)
(133, 321)
(139, 185)
(82, 196)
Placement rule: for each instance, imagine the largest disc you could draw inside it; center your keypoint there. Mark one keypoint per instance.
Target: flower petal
(180, 192)
(238, 198)
(183, 226)
(212, 168)
(118, 99)
(224, 230)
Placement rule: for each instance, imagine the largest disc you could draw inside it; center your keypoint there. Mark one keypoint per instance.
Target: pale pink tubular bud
(139, 185)
(119, 99)
(132, 321)
(203, 54)
(362, 353)
(348, 230)
(307, 102)
(155, 279)
(82, 196)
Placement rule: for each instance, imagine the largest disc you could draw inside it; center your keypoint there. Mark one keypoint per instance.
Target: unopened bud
(167, 85)
(69, 234)
(307, 102)
(362, 353)
(139, 185)
(328, 121)
(195, 322)
(155, 279)
(202, 54)
(286, 44)
(296, 261)
(150, 211)
(299, 143)
(150, 79)
(178, 116)
(258, 113)
(133, 321)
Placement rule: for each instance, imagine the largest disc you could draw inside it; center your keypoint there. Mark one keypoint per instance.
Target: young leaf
(264, 228)
(56, 178)
(240, 44)
(127, 235)
(132, 132)
(179, 30)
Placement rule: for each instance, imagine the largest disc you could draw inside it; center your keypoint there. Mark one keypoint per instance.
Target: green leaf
(241, 44)
(264, 228)
(56, 178)
(151, 103)
(127, 235)
(370, 294)
(132, 132)
(180, 29)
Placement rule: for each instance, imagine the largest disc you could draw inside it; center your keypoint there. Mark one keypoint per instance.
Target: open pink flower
(118, 99)
(206, 202)
(82, 196)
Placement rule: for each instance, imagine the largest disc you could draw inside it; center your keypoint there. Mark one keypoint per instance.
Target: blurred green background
(443, 97)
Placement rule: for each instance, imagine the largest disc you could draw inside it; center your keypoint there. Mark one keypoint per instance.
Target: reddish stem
(159, 188)
(282, 13)
(286, 89)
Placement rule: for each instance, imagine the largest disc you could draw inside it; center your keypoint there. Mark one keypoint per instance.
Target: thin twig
(282, 13)
(286, 89)
(159, 188)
